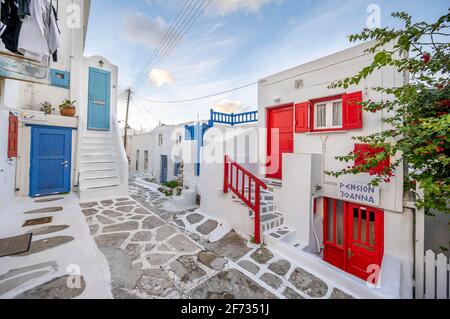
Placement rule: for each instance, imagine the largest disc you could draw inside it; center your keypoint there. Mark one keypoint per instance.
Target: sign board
(16, 67)
(359, 193)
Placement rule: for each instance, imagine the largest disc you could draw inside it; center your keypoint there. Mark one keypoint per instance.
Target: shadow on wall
(437, 233)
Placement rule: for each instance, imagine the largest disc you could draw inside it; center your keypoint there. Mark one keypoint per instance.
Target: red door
(280, 139)
(365, 244)
(353, 237)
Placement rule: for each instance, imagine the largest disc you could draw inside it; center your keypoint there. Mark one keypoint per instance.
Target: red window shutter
(364, 150)
(301, 117)
(352, 111)
(12, 136)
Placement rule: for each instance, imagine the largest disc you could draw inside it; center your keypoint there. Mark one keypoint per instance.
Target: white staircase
(272, 220)
(101, 167)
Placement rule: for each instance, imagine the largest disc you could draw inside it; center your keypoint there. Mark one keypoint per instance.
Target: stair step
(101, 193)
(97, 159)
(98, 166)
(94, 144)
(99, 150)
(99, 183)
(86, 175)
(279, 232)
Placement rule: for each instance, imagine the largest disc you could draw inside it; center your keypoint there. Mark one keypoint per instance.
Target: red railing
(237, 179)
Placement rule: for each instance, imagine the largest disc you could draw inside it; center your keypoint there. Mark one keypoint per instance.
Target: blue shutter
(60, 78)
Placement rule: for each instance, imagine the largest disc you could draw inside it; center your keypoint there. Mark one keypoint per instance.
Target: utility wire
(199, 98)
(178, 37)
(137, 98)
(253, 83)
(163, 41)
(142, 118)
(171, 43)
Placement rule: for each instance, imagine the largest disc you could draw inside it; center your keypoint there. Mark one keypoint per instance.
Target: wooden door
(280, 139)
(99, 100)
(353, 237)
(51, 157)
(364, 240)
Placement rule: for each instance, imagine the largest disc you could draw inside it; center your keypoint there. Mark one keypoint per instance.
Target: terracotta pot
(69, 111)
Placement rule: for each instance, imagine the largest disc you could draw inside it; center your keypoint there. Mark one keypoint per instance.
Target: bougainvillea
(416, 115)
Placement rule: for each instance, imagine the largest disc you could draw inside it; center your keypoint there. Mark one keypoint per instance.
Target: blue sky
(234, 42)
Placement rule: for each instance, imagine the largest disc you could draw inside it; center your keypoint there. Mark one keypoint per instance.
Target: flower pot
(69, 111)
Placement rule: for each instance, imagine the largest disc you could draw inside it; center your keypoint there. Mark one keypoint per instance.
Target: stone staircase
(270, 218)
(100, 168)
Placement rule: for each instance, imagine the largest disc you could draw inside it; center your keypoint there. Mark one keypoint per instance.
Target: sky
(233, 43)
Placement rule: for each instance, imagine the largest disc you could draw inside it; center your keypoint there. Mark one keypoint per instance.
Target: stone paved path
(154, 253)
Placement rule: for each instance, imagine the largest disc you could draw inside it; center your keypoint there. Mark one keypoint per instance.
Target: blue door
(163, 168)
(51, 156)
(99, 99)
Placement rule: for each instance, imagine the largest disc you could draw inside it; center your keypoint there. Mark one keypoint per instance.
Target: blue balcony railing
(233, 119)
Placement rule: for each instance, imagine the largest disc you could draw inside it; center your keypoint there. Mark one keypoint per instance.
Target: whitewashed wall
(7, 167)
(150, 142)
(316, 77)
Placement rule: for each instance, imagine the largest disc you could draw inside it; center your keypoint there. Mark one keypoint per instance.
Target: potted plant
(67, 108)
(47, 108)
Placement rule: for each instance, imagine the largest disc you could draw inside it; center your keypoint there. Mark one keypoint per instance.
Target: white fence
(436, 278)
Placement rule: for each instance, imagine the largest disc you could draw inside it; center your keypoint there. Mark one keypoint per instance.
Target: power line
(144, 113)
(150, 113)
(201, 97)
(162, 43)
(254, 83)
(177, 38)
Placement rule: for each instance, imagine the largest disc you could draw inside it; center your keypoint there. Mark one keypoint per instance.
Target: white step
(97, 140)
(96, 159)
(99, 150)
(98, 166)
(98, 194)
(99, 183)
(95, 145)
(91, 134)
(86, 175)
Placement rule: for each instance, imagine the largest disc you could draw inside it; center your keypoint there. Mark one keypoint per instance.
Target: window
(145, 160)
(60, 78)
(328, 115)
(179, 138)
(334, 113)
(334, 220)
(160, 139)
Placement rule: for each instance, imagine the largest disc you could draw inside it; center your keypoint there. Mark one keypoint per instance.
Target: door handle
(349, 253)
(65, 163)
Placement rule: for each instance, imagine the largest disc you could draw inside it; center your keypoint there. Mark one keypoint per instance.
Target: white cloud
(226, 106)
(140, 28)
(226, 7)
(161, 77)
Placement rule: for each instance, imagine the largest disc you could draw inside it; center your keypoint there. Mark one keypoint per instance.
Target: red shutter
(352, 111)
(12, 136)
(363, 150)
(301, 117)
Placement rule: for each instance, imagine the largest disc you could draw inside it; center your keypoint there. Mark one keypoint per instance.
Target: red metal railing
(237, 179)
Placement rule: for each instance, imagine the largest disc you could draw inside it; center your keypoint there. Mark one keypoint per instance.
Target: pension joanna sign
(359, 192)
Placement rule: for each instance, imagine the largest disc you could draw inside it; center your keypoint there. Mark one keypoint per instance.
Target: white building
(160, 152)
(52, 153)
(342, 229)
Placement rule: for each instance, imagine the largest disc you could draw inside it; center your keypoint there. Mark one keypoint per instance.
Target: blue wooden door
(164, 167)
(51, 157)
(99, 99)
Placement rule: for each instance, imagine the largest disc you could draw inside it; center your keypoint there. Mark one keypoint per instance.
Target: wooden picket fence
(436, 278)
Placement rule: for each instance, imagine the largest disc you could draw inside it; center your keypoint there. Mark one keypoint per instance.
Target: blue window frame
(60, 78)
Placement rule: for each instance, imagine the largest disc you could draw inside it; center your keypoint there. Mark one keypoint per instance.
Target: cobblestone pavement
(154, 253)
